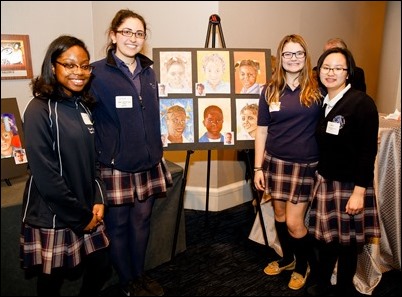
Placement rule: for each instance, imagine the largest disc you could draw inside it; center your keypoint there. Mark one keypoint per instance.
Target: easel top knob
(214, 19)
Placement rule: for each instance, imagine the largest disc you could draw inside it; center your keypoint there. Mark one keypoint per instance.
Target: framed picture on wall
(15, 57)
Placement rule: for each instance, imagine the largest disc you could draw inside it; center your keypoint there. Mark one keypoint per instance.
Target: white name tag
(333, 128)
(86, 119)
(124, 102)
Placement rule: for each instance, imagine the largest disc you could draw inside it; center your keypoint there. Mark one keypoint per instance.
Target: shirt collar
(338, 97)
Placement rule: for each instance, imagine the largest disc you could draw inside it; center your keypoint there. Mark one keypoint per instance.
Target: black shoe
(135, 288)
(138, 289)
(125, 291)
(318, 290)
(152, 286)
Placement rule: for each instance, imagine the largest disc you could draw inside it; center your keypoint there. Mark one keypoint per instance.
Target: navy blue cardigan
(128, 139)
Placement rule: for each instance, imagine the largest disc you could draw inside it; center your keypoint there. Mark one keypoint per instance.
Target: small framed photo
(16, 60)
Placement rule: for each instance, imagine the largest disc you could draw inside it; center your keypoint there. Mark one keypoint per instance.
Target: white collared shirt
(331, 103)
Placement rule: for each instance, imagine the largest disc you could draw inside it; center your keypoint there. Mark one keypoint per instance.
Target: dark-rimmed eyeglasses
(336, 70)
(129, 33)
(289, 55)
(72, 68)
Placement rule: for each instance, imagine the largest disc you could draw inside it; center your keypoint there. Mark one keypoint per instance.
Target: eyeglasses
(336, 70)
(129, 33)
(298, 55)
(72, 68)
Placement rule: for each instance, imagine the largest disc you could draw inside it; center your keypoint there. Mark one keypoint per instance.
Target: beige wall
(257, 24)
(389, 81)
(360, 24)
(43, 22)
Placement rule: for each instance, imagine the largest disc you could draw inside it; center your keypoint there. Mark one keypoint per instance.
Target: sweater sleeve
(367, 127)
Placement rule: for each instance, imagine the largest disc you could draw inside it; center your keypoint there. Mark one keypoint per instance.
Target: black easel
(8, 182)
(214, 21)
(181, 203)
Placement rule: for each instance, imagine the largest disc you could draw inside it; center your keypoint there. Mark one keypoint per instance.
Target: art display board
(14, 162)
(192, 79)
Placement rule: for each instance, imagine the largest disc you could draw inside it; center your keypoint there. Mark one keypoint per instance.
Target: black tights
(96, 271)
(347, 263)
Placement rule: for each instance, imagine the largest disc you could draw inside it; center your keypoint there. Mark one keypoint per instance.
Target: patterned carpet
(220, 260)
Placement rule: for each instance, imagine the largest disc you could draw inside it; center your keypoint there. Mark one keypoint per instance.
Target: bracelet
(257, 169)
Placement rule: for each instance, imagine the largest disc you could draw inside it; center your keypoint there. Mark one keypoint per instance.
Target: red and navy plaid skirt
(123, 187)
(55, 248)
(288, 181)
(328, 220)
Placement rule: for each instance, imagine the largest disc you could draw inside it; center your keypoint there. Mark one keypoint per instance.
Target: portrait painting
(176, 71)
(214, 117)
(246, 118)
(10, 138)
(213, 71)
(177, 120)
(250, 71)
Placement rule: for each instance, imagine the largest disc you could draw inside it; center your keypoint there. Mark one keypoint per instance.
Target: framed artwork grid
(222, 74)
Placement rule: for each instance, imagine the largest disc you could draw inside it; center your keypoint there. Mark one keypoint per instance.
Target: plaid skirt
(288, 181)
(123, 187)
(55, 248)
(328, 220)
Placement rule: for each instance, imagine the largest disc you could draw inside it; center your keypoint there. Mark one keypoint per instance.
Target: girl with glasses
(286, 154)
(344, 214)
(64, 200)
(130, 149)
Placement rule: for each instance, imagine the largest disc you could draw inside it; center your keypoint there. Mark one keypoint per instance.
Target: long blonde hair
(310, 91)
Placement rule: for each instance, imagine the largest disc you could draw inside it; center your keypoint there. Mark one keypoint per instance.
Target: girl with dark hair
(344, 214)
(130, 148)
(63, 207)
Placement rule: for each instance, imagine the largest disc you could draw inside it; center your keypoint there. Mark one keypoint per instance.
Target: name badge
(274, 106)
(333, 128)
(124, 102)
(86, 119)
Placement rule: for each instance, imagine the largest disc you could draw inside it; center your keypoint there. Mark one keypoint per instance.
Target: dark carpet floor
(219, 260)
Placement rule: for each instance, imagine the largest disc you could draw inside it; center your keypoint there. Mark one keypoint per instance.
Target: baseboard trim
(219, 198)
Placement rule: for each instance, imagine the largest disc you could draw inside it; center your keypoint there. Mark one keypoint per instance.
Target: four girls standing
(129, 148)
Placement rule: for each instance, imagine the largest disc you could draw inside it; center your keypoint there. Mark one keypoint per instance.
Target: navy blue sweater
(129, 138)
(64, 183)
(350, 155)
